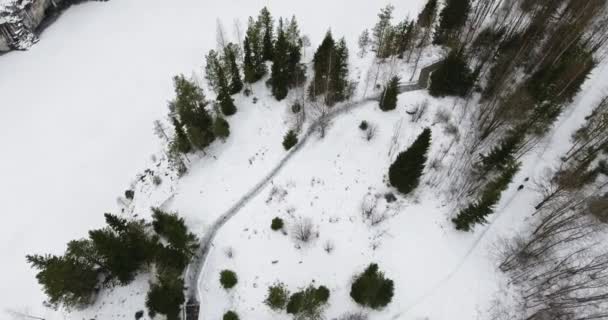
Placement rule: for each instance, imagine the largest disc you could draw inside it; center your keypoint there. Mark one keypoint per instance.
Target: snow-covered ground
(76, 127)
(77, 112)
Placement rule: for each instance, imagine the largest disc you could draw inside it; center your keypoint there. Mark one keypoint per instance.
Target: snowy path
(194, 270)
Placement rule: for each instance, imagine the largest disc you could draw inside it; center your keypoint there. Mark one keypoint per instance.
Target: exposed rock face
(20, 20)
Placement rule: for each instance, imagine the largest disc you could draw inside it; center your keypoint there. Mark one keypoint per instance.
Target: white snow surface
(76, 128)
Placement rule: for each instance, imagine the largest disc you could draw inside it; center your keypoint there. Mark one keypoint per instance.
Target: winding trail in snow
(197, 264)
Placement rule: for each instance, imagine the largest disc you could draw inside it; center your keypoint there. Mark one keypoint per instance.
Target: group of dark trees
(370, 289)
(330, 65)
(114, 255)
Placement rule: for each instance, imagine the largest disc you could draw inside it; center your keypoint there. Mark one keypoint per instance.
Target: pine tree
(382, 32)
(254, 41)
(181, 139)
(290, 140)
(265, 19)
(189, 104)
(404, 37)
(166, 296)
(451, 20)
(504, 153)
(388, 99)
(339, 74)
(323, 61)
(404, 174)
(65, 280)
(279, 78)
(221, 128)
(248, 65)
(453, 77)
(212, 68)
(296, 70)
(236, 84)
(226, 103)
(428, 14)
(477, 211)
(364, 42)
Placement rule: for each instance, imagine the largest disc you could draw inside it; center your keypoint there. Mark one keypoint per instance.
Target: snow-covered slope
(77, 111)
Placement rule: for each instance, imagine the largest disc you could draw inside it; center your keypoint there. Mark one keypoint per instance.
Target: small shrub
(277, 224)
(228, 279)
(230, 315)
(363, 125)
(157, 180)
(303, 230)
(129, 194)
(290, 140)
(308, 303)
(139, 314)
(277, 296)
(372, 289)
(255, 100)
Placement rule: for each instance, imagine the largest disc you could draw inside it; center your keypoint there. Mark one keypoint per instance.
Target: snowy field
(77, 111)
(76, 126)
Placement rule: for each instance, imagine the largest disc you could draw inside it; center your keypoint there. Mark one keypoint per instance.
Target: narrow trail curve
(195, 268)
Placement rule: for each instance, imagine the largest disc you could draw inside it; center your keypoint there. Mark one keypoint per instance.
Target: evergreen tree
(504, 153)
(404, 174)
(290, 140)
(212, 69)
(254, 41)
(388, 99)
(267, 23)
(279, 78)
(296, 70)
(477, 211)
(173, 229)
(123, 247)
(451, 20)
(323, 61)
(189, 104)
(226, 103)
(221, 127)
(372, 289)
(248, 65)
(404, 37)
(364, 42)
(339, 74)
(382, 32)
(236, 84)
(166, 296)
(428, 14)
(307, 304)
(181, 139)
(452, 78)
(65, 280)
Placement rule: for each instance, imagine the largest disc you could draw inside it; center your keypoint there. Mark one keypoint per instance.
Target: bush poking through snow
(370, 133)
(277, 224)
(372, 289)
(404, 174)
(277, 296)
(157, 180)
(129, 194)
(230, 315)
(308, 303)
(363, 125)
(302, 230)
(228, 279)
(290, 140)
(328, 246)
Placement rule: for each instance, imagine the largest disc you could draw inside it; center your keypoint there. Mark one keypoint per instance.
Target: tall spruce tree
(254, 41)
(451, 21)
(504, 153)
(236, 84)
(404, 174)
(267, 23)
(388, 99)
(226, 103)
(427, 16)
(382, 32)
(339, 75)
(323, 61)
(296, 70)
(180, 139)
(212, 69)
(166, 295)
(249, 73)
(189, 104)
(477, 211)
(279, 78)
(404, 37)
(453, 77)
